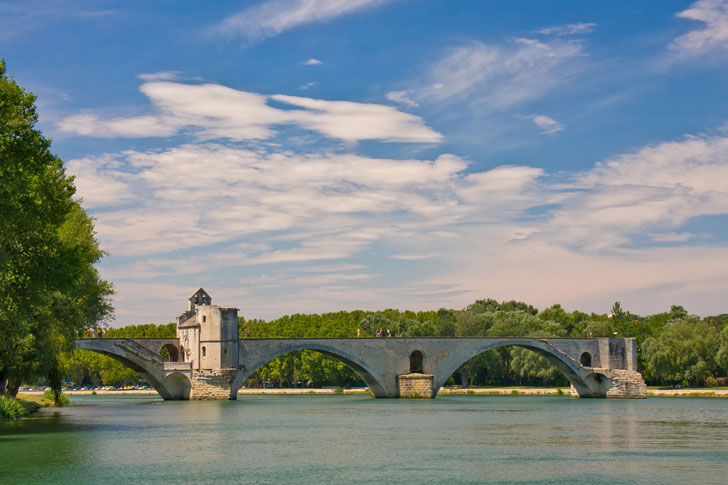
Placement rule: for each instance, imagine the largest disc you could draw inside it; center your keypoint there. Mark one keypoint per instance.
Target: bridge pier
(216, 384)
(416, 385)
(613, 384)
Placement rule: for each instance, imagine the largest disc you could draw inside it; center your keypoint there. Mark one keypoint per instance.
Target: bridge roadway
(596, 367)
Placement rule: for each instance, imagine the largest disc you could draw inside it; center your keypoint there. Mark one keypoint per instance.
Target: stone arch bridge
(391, 367)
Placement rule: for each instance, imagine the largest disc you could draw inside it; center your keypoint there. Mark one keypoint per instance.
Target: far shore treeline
(674, 347)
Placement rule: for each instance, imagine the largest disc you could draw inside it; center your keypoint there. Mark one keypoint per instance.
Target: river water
(356, 439)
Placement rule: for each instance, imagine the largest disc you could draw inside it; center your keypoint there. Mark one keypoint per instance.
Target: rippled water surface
(355, 439)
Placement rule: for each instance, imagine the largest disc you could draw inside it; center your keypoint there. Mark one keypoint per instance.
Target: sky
(297, 156)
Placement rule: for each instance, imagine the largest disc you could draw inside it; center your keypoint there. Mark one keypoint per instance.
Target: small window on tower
(204, 351)
(204, 319)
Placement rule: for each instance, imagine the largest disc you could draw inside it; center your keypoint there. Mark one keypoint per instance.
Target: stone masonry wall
(212, 385)
(416, 385)
(625, 384)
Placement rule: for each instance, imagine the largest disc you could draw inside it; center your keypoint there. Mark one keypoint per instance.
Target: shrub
(559, 391)
(62, 398)
(10, 408)
(514, 392)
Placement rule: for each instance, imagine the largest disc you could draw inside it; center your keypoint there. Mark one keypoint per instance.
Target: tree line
(674, 346)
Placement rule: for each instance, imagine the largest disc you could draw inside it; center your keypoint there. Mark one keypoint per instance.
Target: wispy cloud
(403, 98)
(496, 77)
(549, 126)
(211, 111)
(17, 19)
(713, 36)
(312, 62)
(568, 29)
(274, 17)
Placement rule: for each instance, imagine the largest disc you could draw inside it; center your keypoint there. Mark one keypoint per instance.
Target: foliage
(10, 408)
(49, 289)
(60, 400)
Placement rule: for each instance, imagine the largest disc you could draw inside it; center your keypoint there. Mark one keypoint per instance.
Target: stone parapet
(416, 385)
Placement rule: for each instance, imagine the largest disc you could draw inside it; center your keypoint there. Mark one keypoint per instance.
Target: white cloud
(211, 111)
(161, 76)
(307, 86)
(549, 126)
(280, 218)
(568, 29)
(88, 124)
(714, 34)
(273, 17)
(403, 98)
(312, 62)
(351, 121)
(672, 237)
(660, 186)
(416, 256)
(497, 77)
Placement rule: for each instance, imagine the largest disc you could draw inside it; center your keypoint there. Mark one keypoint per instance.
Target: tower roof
(201, 297)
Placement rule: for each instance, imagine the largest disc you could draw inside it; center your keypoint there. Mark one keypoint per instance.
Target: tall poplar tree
(49, 288)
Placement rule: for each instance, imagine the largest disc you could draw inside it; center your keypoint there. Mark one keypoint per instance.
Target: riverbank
(501, 391)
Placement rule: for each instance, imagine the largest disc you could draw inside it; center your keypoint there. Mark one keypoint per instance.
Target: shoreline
(501, 391)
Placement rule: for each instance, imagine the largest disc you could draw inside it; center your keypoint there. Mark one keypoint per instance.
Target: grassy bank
(23, 405)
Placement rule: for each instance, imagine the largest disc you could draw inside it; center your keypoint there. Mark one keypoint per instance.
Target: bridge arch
(579, 377)
(145, 362)
(172, 352)
(281, 347)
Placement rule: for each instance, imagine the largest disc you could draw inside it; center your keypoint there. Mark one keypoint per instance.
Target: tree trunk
(464, 371)
(13, 387)
(3, 382)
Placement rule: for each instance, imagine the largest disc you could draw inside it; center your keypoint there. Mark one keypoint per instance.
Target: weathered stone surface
(416, 385)
(213, 384)
(617, 383)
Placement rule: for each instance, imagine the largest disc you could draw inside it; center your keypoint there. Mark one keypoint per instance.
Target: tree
(49, 289)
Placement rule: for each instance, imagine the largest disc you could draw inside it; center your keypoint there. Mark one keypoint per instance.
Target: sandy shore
(444, 390)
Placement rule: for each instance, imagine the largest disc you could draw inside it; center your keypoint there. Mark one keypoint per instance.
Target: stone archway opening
(417, 359)
(178, 386)
(172, 354)
(586, 359)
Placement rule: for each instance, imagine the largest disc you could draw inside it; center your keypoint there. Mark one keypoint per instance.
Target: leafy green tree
(49, 289)
(685, 350)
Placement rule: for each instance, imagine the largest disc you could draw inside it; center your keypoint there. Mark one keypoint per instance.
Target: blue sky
(320, 155)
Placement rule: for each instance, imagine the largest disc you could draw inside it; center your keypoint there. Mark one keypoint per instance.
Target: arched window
(204, 351)
(182, 353)
(416, 359)
(586, 359)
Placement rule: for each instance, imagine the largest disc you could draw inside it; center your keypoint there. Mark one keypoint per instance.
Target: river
(356, 439)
